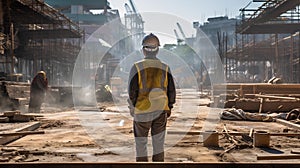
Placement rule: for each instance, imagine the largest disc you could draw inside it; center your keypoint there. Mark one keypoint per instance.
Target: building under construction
(262, 43)
(35, 36)
(239, 122)
(268, 38)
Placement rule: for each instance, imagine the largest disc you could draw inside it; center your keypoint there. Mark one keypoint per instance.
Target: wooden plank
(278, 157)
(288, 123)
(276, 97)
(185, 133)
(256, 88)
(229, 137)
(295, 152)
(231, 133)
(252, 105)
(22, 133)
(147, 165)
(4, 119)
(32, 126)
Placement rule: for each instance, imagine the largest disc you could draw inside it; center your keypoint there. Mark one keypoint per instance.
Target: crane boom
(133, 6)
(176, 34)
(181, 31)
(179, 40)
(128, 10)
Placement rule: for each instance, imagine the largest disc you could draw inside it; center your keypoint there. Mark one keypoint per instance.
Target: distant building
(218, 27)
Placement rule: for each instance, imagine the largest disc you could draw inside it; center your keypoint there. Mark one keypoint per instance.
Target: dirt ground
(104, 134)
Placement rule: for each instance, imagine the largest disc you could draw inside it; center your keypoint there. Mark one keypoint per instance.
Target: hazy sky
(188, 10)
(193, 10)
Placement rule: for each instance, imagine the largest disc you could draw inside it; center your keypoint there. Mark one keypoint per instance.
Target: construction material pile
(258, 97)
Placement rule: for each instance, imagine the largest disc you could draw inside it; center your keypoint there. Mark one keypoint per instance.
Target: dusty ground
(87, 134)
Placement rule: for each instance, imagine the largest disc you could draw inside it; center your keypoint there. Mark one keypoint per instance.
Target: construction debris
(44, 37)
(239, 114)
(16, 116)
(258, 97)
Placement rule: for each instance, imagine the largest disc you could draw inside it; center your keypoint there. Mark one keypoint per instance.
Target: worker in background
(151, 97)
(38, 89)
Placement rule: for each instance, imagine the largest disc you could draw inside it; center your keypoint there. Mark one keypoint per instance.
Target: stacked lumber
(13, 95)
(257, 97)
(15, 116)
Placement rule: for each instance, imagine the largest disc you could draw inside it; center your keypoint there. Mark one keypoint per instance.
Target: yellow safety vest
(153, 82)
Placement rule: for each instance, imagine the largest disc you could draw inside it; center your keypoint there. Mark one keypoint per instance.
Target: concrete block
(261, 139)
(210, 139)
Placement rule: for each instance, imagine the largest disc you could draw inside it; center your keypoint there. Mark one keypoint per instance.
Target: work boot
(142, 159)
(158, 157)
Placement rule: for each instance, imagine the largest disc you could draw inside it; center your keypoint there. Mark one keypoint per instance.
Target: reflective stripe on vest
(152, 81)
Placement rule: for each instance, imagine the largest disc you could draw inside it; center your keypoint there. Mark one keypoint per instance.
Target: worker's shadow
(272, 150)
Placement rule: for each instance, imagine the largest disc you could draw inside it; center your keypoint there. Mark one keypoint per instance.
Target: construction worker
(151, 98)
(38, 88)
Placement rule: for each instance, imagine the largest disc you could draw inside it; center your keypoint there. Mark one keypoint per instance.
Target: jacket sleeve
(171, 92)
(133, 87)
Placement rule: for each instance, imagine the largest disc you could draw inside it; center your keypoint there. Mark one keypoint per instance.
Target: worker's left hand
(131, 110)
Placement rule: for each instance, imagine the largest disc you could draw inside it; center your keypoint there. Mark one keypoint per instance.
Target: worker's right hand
(168, 113)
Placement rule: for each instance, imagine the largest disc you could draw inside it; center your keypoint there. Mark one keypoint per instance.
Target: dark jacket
(38, 88)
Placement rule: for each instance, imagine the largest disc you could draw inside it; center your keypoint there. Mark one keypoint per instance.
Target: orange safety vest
(153, 82)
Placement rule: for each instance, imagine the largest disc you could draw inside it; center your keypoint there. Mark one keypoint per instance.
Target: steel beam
(273, 28)
(267, 15)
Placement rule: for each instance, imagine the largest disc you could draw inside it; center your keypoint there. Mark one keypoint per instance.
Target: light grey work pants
(142, 123)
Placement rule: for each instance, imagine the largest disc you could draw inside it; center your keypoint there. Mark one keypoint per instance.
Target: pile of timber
(13, 95)
(257, 97)
(15, 116)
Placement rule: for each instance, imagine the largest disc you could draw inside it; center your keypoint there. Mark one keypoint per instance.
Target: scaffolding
(267, 43)
(38, 37)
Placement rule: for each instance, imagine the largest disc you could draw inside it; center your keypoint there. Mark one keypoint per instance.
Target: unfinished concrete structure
(269, 38)
(94, 16)
(48, 35)
(263, 42)
(35, 36)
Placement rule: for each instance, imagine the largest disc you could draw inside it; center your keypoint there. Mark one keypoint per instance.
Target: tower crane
(134, 23)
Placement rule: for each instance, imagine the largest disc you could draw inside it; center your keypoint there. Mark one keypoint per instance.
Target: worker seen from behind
(38, 89)
(152, 94)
